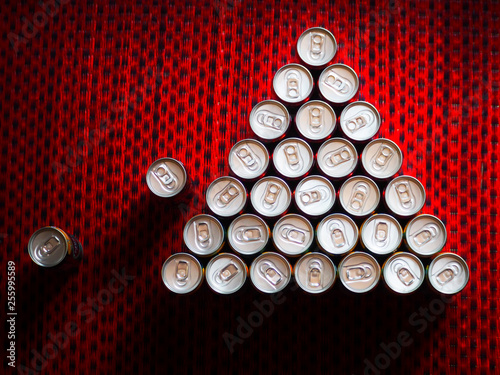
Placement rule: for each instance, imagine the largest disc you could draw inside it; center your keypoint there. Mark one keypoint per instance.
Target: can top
(269, 120)
(293, 157)
(425, 235)
(359, 272)
(403, 273)
(314, 195)
(381, 234)
(203, 235)
(315, 120)
(48, 246)
(338, 83)
(248, 234)
(293, 83)
(382, 158)
(248, 159)
(315, 273)
(448, 273)
(226, 196)
(360, 121)
(270, 272)
(405, 196)
(337, 158)
(359, 196)
(226, 273)
(316, 47)
(337, 234)
(166, 177)
(182, 273)
(270, 196)
(293, 234)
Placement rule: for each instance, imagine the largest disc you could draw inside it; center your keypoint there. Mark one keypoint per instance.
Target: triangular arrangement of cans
(333, 188)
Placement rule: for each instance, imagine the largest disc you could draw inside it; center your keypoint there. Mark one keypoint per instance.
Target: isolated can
(293, 235)
(293, 84)
(271, 197)
(359, 272)
(337, 234)
(360, 121)
(269, 120)
(167, 178)
(182, 273)
(226, 197)
(314, 196)
(448, 273)
(316, 121)
(293, 158)
(404, 196)
(337, 158)
(359, 196)
(248, 235)
(425, 235)
(382, 159)
(403, 273)
(51, 246)
(381, 234)
(315, 273)
(316, 47)
(204, 235)
(338, 84)
(226, 273)
(248, 159)
(270, 272)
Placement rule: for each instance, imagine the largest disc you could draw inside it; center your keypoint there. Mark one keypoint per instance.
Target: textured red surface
(106, 87)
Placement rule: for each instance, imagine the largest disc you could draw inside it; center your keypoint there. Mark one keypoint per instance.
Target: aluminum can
(51, 246)
(248, 235)
(293, 84)
(403, 273)
(425, 235)
(269, 120)
(314, 196)
(182, 273)
(167, 178)
(293, 158)
(404, 196)
(271, 197)
(359, 196)
(338, 84)
(337, 158)
(382, 159)
(359, 272)
(204, 235)
(248, 159)
(360, 121)
(381, 234)
(293, 235)
(226, 197)
(270, 272)
(226, 273)
(315, 273)
(316, 47)
(316, 121)
(337, 234)
(448, 273)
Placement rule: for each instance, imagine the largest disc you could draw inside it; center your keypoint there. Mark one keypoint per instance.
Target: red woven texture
(106, 87)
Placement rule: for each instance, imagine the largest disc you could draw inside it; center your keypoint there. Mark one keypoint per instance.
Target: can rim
(274, 102)
(394, 221)
(249, 140)
(190, 221)
(31, 249)
(192, 258)
(309, 76)
(460, 259)
(348, 144)
(408, 242)
(331, 67)
(327, 182)
(281, 257)
(293, 216)
(175, 161)
(324, 258)
(323, 222)
(421, 188)
(398, 255)
(241, 217)
(351, 255)
(358, 102)
(343, 187)
(302, 36)
(237, 182)
(377, 140)
(217, 257)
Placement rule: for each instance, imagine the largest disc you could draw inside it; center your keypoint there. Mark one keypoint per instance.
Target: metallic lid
(226, 196)
(448, 273)
(405, 196)
(226, 273)
(293, 157)
(270, 272)
(316, 120)
(425, 235)
(316, 47)
(381, 234)
(203, 235)
(248, 234)
(293, 235)
(360, 121)
(337, 234)
(337, 158)
(248, 159)
(182, 273)
(338, 83)
(166, 177)
(359, 272)
(315, 273)
(359, 196)
(382, 158)
(314, 196)
(271, 196)
(403, 273)
(269, 120)
(293, 83)
(48, 246)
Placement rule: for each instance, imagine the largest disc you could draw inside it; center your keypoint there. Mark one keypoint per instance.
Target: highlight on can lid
(166, 177)
(248, 234)
(293, 158)
(293, 84)
(448, 273)
(338, 84)
(337, 234)
(226, 273)
(226, 196)
(270, 272)
(382, 158)
(425, 235)
(269, 120)
(316, 47)
(381, 234)
(248, 159)
(271, 197)
(203, 235)
(293, 235)
(359, 196)
(359, 272)
(316, 120)
(314, 196)
(403, 273)
(182, 273)
(315, 273)
(360, 121)
(405, 196)
(337, 158)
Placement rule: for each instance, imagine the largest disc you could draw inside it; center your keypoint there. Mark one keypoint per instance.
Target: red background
(106, 87)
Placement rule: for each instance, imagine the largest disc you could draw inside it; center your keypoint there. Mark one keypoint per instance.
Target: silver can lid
(382, 158)
(293, 157)
(448, 273)
(337, 234)
(316, 120)
(226, 196)
(293, 83)
(293, 235)
(337, 158)
(166, 177)
(360, 121)
(314, 196)
(248, 159)
(425, 235)
(226, 273)
(359, 272)
(203, 235)
(405, 196)
(269, 120)
(338, 83)
(248, 234)
(316, 47)
(381, 234)
(359, 196)
(48, 246)
(270, 272)
(403, 273)
(270, 196)
(315, 273)
(182, 273)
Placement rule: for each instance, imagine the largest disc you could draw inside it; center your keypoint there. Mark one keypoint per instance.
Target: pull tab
(50, 246)
(182, 273)
(313, 195)
(227, 273)
(359, 196)
(271, 196)
(359, 121)
(270, 273)
(402, 269)
(202, 232)
(293, 84)
(359, 272)
(249, 159)
(381, 159)
(270, 120)
(448, 273)
(315, 118)
(226, 195)
(337, 231)
(316, 50)
(339, 156)
(248, 234)
(425, 235)
(293, 156)
(340, 84)
(293, 234)
(166, 177)
(315, 273)
(405, 194)
(381, 233)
